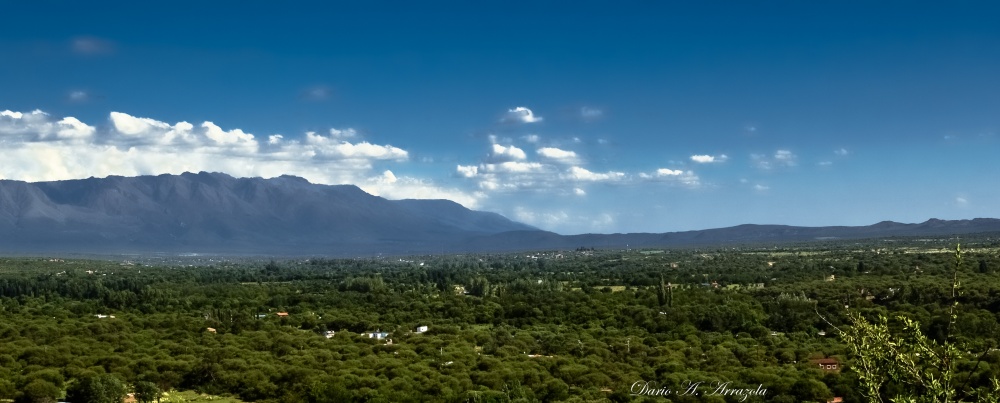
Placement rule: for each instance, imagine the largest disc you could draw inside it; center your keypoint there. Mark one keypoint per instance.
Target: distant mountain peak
(212, 212)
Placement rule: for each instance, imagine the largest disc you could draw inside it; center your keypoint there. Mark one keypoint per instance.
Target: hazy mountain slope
(216, 213)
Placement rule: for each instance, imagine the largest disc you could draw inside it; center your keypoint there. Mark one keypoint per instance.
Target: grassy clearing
(190, 396)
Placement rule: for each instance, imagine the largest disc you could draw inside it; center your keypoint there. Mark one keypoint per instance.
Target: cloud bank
(38, 147)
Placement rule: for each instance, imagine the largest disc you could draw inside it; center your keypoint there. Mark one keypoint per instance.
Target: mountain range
(214, 213)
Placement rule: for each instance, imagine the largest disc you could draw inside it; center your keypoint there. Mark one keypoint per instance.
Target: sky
(575, 117)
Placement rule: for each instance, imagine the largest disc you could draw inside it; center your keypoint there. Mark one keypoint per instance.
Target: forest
(734, 324)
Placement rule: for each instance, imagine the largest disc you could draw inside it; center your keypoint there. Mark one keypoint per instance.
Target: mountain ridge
(287, 215)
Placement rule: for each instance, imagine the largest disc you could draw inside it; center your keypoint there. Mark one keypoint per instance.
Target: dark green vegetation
(556, 326)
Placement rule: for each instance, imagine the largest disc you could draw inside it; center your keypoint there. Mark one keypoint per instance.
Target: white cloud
(687, 178)
(509, 153)
(579, 192)
(390, 186)
(785, 156)
(468, 171)
(841, 152)
(669, 172)
(72, 128)
(760, 188)
(226, 137)
(328, 147)
(130, 125)
(40, 148)
(37, 147)
(961, 201)
(513, 167)
(11, 114)
(532, 138)
(582, 174)
(708, 159)
(37, 126)
(489, 185)
(825, 163)
(520, 114)
(388, 177)
(564, 156)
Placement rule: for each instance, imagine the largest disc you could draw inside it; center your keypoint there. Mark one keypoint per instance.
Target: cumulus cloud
(669, 172)
(532, 138)
(579, 192)
(390, 186)
(508, 153)
(582, 174)
(12, 114)
(72, 128)
(840, 151)
(708, 159)
(37, 126)
(38, 147)
(520, 114)
(318, 146)
(468, 171)
(786, 157)
(686, 178)
(556, 154)
(508, 168)
(513, 167)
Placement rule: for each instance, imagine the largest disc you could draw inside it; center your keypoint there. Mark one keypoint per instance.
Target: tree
(908, 366)
(38, 391)
(146, 392)
(104, 388)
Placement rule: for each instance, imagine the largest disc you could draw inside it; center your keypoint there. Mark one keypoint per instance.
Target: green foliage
(146, 392)
(104, 388)
(38, 391)
(904, 365)
(548, 326)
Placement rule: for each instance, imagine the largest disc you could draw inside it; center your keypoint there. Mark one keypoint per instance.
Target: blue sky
(572, 116)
